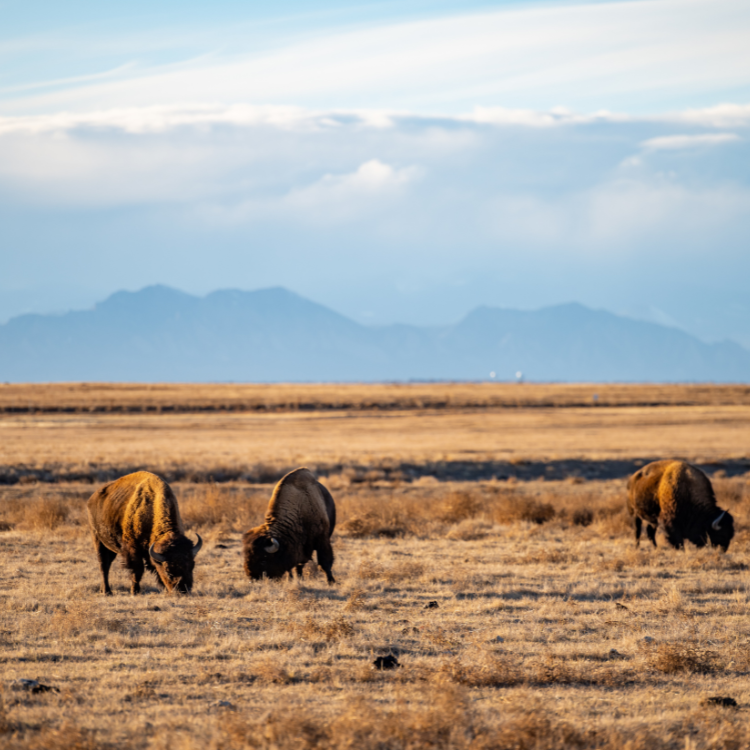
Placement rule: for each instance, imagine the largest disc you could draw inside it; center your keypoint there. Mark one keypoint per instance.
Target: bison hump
(298, 495)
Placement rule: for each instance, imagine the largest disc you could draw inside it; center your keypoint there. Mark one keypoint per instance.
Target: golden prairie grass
(368, 447)
(455, 510)
(533, 635)
(487, 549)
(683, 657)
(45, 513)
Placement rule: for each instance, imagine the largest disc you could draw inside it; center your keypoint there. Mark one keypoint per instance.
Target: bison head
(721, 530)
(264, 555)
(174, 559)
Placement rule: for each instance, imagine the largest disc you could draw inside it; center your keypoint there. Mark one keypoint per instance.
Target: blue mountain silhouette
(272, 335)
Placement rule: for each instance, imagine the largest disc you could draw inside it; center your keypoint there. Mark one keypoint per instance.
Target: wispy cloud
(624, 56)
(680, 142)
(119, 71)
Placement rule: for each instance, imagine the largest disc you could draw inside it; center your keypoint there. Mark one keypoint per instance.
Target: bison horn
(715, 524)
(155, 555)
(197, 546)
(274, 547)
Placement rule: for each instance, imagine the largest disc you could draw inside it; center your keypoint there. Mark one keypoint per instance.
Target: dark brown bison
(678, 496)
(137, 517)
(299, 521)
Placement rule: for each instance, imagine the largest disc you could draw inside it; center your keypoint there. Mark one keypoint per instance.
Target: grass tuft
(46, 513)
(328, 630)
(673, 658)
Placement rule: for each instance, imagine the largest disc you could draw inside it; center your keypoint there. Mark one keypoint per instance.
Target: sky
(398, 162)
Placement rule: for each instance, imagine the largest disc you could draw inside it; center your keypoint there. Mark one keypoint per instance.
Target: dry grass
(544, 635)
(452, 510)
(469, 510)
(474, 545)
(215, 505)
(371, 447)
(45, 513)
(671, 658)
(446, 721)
(165, 398)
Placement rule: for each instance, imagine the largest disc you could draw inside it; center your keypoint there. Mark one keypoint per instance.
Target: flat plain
(482, 542)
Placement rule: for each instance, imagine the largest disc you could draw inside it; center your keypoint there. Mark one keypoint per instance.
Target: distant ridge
(159, 334)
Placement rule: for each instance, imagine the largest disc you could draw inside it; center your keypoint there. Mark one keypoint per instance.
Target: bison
(300, 519)
(137, 517)
(680, 497)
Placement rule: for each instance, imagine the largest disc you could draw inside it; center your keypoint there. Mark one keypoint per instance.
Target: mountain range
(273, 335)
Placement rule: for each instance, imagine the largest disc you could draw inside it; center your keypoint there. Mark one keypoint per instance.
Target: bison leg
(134, 563)
(638, 526)
(676, 541)
(651, 533)
(325, 558)
(106, 557)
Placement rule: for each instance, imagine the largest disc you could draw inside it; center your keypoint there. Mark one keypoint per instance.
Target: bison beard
(137, 517)
(300, 519)
(680, 497)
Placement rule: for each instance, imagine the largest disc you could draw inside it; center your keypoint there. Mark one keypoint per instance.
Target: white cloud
(532, 118)
(371, 177)
(331, 200)
(166, 118)
(681, 142)
(720, 116)
(330, 166)
(336, 198)
(160, 119)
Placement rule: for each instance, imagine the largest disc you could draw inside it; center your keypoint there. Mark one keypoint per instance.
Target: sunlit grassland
(551, 630)
(262, 447)
(546, 618)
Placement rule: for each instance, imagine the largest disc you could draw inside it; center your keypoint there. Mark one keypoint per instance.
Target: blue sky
(396, 161)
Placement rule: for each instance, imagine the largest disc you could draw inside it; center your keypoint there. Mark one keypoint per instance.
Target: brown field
(180, 397)
(550, 630)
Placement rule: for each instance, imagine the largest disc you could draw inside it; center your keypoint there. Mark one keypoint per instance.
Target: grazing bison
(680, 497)
(300, 519)
(137, 517)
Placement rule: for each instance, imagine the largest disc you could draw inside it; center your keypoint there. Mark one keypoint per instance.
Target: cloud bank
(385, 215)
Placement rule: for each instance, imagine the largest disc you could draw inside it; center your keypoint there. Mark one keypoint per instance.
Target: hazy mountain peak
(162, 334)
(154, 296)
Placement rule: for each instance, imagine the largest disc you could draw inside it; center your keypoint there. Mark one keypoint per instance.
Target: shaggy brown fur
(300, 518)
(680, 497)
(137, 516)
